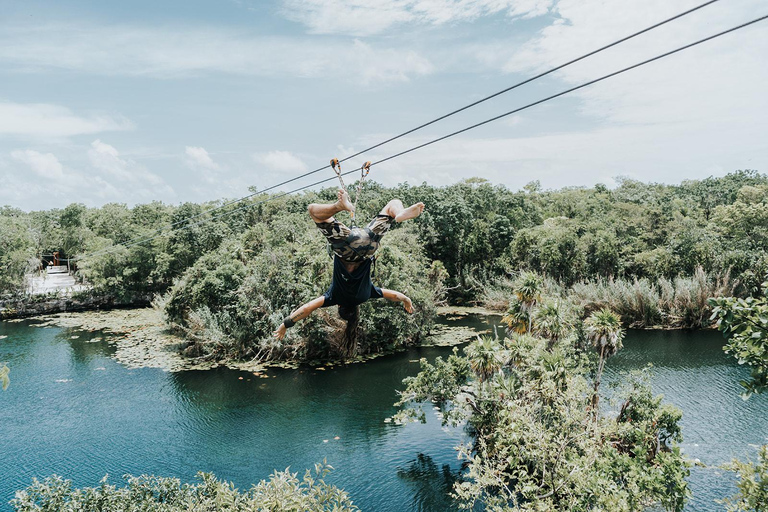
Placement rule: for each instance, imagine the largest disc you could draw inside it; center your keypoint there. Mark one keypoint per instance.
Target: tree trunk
(598, 375)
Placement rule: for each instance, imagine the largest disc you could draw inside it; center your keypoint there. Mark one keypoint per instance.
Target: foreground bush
(284, 491)
(536, 445)
(541, 441)
(752, 484)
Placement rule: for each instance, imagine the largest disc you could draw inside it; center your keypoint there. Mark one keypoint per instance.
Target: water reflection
(431, 484)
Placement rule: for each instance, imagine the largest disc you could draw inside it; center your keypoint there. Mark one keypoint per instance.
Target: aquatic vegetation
(5, 381)
(678, 303)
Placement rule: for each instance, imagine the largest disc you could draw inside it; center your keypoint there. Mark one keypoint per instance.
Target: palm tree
(517, 318)
(486, 357)
(552, 320)
(605, 332)
(528, 292)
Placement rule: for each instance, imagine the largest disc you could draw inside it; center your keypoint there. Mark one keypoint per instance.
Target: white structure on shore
(54, 279)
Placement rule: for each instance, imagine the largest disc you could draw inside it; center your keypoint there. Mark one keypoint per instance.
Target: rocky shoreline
(42, 305)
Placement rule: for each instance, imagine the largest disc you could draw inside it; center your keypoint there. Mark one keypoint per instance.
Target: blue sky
(198, 100)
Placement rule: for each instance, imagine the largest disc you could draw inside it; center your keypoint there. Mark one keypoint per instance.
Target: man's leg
(325, 212)
(397, 211)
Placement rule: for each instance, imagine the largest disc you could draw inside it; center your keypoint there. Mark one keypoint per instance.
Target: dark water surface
(73, 411)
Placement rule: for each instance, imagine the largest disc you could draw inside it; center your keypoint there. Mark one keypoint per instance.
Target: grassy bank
(679, 303)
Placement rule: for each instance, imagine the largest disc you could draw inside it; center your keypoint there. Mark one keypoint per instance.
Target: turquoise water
(691, 370)
(73, 411)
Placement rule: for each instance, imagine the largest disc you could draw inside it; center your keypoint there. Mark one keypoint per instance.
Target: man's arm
(398, 297)
(299, 314)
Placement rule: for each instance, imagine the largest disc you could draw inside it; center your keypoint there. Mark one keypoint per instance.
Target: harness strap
(364, 170)
(337, 169)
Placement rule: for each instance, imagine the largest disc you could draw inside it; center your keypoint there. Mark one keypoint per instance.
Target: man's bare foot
(344, 201)
(411, 212)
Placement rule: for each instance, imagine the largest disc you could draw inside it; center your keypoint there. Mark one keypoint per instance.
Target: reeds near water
(675, 303)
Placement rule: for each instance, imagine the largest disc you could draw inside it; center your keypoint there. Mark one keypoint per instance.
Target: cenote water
(73, 411)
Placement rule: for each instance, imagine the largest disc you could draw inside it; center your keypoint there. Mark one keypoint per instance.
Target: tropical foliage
(536, 445)
(603, 329)
(752, 484)
(229, 273)
(284, 491)
(745, 323)
(530, 402)
(230, 300)
(633, 231)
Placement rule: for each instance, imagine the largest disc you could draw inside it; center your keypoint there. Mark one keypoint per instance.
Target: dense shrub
(284, 491)
(573, 234)
(231, 300)
(535, 445)
(15, 251)
(752, 484)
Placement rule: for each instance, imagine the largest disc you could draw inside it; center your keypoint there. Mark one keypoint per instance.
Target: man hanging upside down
(353, 249)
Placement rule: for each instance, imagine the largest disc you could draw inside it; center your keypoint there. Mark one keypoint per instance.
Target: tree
(486, 357)
(605, 332)
(553, 319)
(534, 446)
(744, 322)
(16, 251)
(527, 293)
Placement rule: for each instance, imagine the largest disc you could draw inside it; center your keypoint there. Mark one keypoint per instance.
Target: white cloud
(665, 153)
(106, 158)
(170, 52)
(45, 120)
(200, 158)
(687, 116)
(697, 84)
(281, 161)
(364, 17)
(130, 178)
(45, 165)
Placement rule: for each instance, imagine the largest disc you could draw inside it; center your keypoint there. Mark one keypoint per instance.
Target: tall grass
(681, 302)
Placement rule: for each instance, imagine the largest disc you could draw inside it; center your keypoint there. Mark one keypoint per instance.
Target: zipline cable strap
(364, 170)
(445, 116)
(452, 134)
